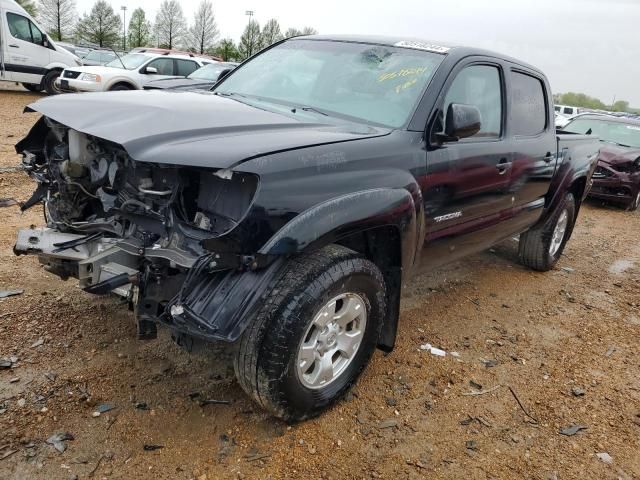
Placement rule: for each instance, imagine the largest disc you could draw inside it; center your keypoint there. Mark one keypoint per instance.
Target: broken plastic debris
(57, 441)
(104, 407)
(572, 430)
(433, 350)
(605, 457)
(9, 293)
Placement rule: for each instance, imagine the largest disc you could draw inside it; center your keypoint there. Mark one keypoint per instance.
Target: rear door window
(528, 104)
(186, 67)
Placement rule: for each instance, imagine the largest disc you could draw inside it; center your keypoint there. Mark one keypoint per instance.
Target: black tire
(635, 203)
(120, 86)
(32, 87)
(535, 244)
(267, 354)
(49, 82)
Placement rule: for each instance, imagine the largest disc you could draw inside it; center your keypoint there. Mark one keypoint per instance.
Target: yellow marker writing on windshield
(405, 72)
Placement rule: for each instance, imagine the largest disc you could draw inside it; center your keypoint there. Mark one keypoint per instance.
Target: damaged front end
(137, 229)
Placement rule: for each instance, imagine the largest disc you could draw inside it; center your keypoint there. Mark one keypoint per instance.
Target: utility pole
(249, 13)
(124, 28)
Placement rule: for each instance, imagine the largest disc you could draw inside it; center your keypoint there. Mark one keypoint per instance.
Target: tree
(292, 32)
(58, 17)
(29, 6)
(227, 50)
(170, 24)
(620, 106)
(139, 29)
(204, 31)
(250, 41)
(271, 33)
(102, 26)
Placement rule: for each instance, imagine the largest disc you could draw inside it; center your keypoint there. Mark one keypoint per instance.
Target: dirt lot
(566, 342)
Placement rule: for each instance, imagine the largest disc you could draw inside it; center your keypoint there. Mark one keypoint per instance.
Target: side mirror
(224, 73)
(462, 121)
(151, 71)
(45, 43)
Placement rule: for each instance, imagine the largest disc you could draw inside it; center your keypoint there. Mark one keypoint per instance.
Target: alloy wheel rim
(331, 341)
(558, 233)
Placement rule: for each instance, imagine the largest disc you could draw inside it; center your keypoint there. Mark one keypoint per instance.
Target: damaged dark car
(617, 177)
(282, 211)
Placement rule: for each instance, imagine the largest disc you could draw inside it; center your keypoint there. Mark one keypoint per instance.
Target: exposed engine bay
(133, 228)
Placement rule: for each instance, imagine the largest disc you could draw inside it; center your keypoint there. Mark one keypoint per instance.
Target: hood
(616, 154)
(179, 82)
(99, 69)
(193, 128)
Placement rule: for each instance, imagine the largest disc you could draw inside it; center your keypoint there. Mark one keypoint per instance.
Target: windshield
(208, 72)
(131, 61)
(377, 84)
(625, 134)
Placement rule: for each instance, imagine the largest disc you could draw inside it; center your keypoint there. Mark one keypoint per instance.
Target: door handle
(13, 45)
(503, 165)
(549, 157)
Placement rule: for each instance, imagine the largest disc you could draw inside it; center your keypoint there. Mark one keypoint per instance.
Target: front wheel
(49, 82)
(541, 246)
(314, 334)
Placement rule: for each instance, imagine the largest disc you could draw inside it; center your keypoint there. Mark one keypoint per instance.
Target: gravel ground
(547, 351)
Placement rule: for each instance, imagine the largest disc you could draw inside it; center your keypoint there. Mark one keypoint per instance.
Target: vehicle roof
(15, 6)
(172, 55)
(608, 118)
(392, 41)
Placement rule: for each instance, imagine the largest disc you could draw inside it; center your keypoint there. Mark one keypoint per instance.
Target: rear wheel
(49, 82)
(541, 247)
(32, 87)
(314, 334)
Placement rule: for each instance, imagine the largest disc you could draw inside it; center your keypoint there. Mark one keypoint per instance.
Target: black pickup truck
(283, 210)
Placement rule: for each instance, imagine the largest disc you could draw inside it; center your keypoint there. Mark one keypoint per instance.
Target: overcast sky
(588, 46)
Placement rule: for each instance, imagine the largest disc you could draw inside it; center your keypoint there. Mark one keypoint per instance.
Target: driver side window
(24, 29)
(163, 65)
(480, 86)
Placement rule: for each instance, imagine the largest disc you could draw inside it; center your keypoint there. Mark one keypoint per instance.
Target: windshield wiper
(309, 109)
(616, 143)
(230, 94)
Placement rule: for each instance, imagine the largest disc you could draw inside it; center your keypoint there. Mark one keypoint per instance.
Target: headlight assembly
(90, 77)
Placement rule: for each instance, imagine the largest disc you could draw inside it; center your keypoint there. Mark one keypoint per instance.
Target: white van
(567, 110)
(27, 54)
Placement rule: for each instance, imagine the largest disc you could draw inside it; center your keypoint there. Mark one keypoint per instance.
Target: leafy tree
(171, 25)
(250, 41)
(292, 32)
(58, 17)
(271, 33)
(139, 29)
(29, 6)
(101, 26)
(227, 50)
(204, 31)
(580, 100)
(620, 106)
